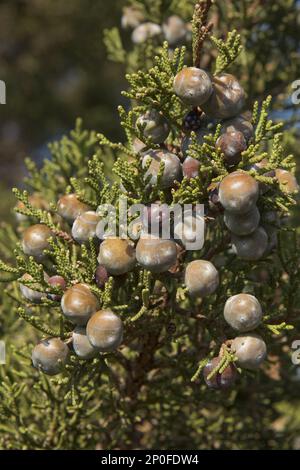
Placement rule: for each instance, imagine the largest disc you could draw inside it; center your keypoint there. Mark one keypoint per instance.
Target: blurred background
(53, 62)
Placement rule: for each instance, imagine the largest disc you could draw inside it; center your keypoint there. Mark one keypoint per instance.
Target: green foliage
(117, 399)
(228, 50)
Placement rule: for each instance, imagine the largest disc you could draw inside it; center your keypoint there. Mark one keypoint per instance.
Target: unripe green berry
(156, 255)
(227, 99)
(155, 126)
(238, 192)
(117, 256)
(172, 167)
(50, 355)
(223, 380)
(69, 207)
(84, 226)
(79, 303)
(243, 312)
(193, 86)
(81, 344)
(242, 224)
(105, 330)
(251, 247)
(250, 350)
(201, 278)
(35, 241)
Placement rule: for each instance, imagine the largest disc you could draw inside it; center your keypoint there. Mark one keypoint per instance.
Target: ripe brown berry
(84, 226)
(156, 255)
(251, 247)
(190, 168)
(105, 330)
(238, 192)
(101, 276)
(174, 29)
(172, 167)
(232, 144)
(221, 380)
(36, 200)
(117, 256)
(50, 355)
(242, 224)
(239, 124)
(79, 303)
(69, 207)
(57, 281)
(243, 312)
(227, 99)
(82, 345)
(155, 126)
(193, 86)
(288, 180)
(30, 294)
(201, 278)
(250, 349)
(35, 241)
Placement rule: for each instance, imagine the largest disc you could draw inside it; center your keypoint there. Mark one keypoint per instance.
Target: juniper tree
(198, 340)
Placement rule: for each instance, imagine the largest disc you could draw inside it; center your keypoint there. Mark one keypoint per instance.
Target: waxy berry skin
(240, 124)
(221, 381)
(288, 180)
(193, 86)
(69, 207)
(155, 126)
(250, 350)
(101, 276)
(232, 144)
(84, 226)
(238, 192)
(251, 247)
(56, 281)
(242, 224)
(81, 344)
(78, 304)
(243, 312)
(105, 330)
(172, 167)
(117, 255)
(35, 241)
(50, 355)
(155, 254)
(227, 99)
(201, 278)
(190, 167)
(30, 294)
